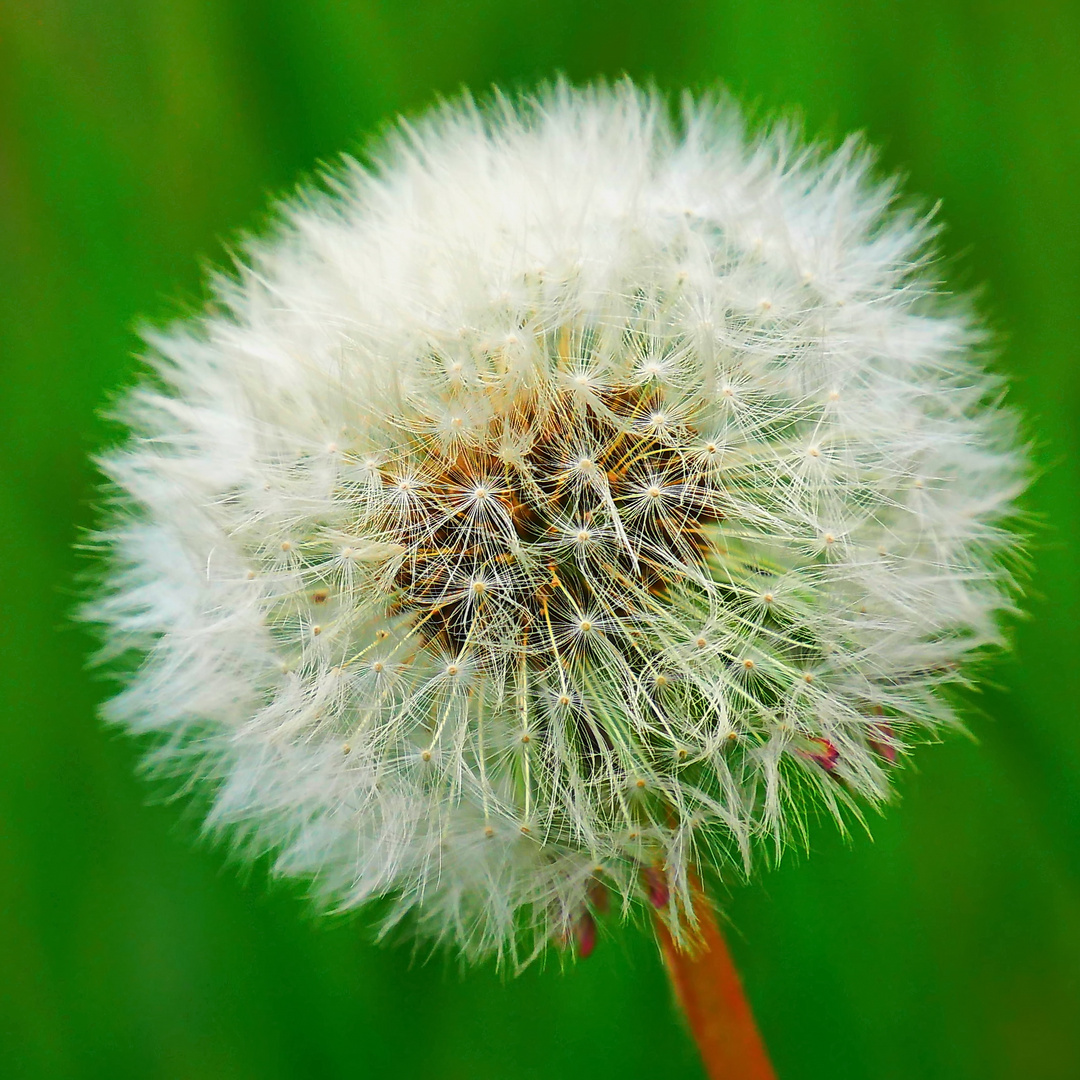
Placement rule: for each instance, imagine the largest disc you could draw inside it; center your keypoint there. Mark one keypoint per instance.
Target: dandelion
(571, 502)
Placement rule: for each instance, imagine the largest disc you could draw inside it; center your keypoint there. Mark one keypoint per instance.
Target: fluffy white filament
(569, 498)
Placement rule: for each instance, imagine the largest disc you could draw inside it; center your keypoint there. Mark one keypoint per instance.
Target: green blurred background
(136, 137)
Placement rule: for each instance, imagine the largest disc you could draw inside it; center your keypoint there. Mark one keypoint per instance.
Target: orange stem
(708, 988)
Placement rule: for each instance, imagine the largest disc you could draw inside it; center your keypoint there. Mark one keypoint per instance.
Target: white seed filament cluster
(569, 499)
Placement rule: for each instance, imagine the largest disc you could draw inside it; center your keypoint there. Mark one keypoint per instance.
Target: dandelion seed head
(487, 528)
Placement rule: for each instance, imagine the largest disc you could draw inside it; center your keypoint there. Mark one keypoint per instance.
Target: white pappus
(572, 497)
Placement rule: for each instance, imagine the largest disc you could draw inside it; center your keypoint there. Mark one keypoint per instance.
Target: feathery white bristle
(568, 496)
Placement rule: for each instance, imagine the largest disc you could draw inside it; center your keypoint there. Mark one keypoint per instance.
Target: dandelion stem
(707, 986)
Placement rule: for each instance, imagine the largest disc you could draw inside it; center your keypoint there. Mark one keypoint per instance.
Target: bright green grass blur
(136, 138)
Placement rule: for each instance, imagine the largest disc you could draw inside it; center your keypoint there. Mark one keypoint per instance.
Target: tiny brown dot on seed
(640, 783)
(426, 755)
(346, 749)
(768, 598)
(320, 596)
(526, 738)
(251, 575)
(316, 630)
(286, 545)
(526, 830)
(489, 832)
(748, 664)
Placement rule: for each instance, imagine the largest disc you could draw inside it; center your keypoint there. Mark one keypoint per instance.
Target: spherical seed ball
(570, 496)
